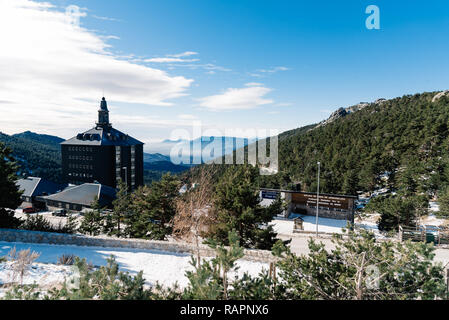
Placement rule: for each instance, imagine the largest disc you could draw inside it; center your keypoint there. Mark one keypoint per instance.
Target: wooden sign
(325, 201)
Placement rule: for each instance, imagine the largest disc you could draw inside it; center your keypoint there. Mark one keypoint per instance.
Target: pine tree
(399, 210)
(237, 203)
(360, 268)
(9, 191)
(153, 209)
(121, 207)
(350, 183)
(210, 279)
(443, 201)
(93, 220)
(108, 226)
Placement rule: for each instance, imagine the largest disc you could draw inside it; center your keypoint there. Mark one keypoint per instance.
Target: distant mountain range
(40, 155)
(154, 157)
(166, 146)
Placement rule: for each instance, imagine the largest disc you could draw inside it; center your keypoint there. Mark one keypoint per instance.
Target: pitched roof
(102, 136)
(84, 194)
(34, 186)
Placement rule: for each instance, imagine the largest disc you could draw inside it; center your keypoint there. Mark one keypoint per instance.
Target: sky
(236, 64)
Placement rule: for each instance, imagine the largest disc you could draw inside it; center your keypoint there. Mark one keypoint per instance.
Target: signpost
(325, 201)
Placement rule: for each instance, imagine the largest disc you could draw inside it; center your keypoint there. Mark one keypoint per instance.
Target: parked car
(29, 210)
(59, 213)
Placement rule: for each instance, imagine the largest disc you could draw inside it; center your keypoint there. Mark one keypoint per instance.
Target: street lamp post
(317, 198)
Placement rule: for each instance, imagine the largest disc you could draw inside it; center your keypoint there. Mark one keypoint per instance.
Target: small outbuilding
(33, 187)
(80, 197)
(333, 206)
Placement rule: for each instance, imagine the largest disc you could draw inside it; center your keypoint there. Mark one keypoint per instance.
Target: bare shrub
(21, 262)
(66, 259)
(194, 211)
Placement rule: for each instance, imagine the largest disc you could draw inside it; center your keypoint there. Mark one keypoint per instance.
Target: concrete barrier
(12, 235)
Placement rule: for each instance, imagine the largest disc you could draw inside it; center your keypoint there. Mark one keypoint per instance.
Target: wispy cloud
(273, 70)
(205, 66)
(177, 60)
(237, 98)
(178, 57)
(263, 72)
(184, 54)
(53, 72)
(168, 59)
(106, 18)
(283, 104)
(187, 116)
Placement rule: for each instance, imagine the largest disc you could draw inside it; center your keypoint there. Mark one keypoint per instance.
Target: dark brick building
(103, 154)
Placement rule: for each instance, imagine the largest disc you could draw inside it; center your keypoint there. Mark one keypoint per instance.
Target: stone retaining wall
(11, 235)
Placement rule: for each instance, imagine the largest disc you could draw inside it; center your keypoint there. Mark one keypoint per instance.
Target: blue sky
(260, 64)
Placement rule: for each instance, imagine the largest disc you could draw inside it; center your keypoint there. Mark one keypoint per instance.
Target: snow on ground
(432, 220)
(164, 267)
(266, 202)
(434, 206)
(284, 226)
(54, 220)
(44, 274)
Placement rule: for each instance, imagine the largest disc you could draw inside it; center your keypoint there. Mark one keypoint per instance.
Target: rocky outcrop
(439, 95)
(342, 112)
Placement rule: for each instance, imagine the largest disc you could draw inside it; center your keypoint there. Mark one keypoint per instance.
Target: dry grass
(21, 263)
(66, 259)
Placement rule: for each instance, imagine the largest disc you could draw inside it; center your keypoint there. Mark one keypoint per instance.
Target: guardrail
(428, 234)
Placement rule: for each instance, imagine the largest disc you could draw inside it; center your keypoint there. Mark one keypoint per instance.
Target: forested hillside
(405, 139)
(37, 155)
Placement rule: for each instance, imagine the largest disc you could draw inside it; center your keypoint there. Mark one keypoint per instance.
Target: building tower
(103, 154)
(103, 114)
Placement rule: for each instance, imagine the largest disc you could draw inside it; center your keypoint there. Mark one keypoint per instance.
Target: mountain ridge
(40, 155)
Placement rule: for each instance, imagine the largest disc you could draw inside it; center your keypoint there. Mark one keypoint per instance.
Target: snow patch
(167, 268)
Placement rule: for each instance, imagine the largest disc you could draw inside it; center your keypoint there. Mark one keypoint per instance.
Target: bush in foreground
(359, 268)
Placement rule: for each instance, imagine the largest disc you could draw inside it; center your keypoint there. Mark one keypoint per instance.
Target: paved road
(299, 245)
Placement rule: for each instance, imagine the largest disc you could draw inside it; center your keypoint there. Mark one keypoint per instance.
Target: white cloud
(52, 72)
(283, 104)
(167, 59)
(234, 99)
(273, 70)
(187, 116)
(173, 58)
(145, 122)
(205, 66)
(106, 18)
(184, 54)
